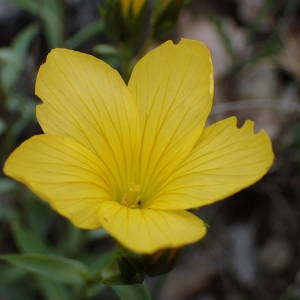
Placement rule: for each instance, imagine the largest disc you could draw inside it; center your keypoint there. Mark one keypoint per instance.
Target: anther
(132, 198)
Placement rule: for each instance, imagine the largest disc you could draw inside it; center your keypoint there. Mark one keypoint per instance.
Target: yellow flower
(134, 5)
(133, 159)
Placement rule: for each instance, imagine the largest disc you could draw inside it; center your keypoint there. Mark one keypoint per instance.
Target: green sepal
(125, 29)
(131, 268)
(164, 17)
(161, 262)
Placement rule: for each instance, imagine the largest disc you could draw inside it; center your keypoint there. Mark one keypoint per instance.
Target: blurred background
(251, 250)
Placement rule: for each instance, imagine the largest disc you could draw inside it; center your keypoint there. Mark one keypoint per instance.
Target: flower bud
(132, 7)
(161, 262)
(125, 21)
(165, 16)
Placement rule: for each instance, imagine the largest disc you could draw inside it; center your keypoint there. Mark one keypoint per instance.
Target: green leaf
(97, 262)
(54, 267)
(30, 6)
(6, 185)
(53, 290)
(3, 126)
(85, 34)
(105, 49)
(6, 55)
(97, 234)
(28, 241)
(132, 292)
(10, 274)
(71, 241)
(38, 213)
(19, 47)
(95, 290)
(25, 108)
(51, 13)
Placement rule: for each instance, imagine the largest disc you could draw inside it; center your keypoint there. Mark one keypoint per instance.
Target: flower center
(132, 198)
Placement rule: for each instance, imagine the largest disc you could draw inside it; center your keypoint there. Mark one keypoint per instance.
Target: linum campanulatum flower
(133, 159)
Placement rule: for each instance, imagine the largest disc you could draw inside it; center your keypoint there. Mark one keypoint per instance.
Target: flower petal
(147, 230)
(225, 160)
(173, 87)
(63, 173)
(86, 99)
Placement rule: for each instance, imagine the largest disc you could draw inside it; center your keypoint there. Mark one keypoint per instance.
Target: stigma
(132, 198)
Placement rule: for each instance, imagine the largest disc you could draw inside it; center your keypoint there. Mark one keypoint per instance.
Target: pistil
(132, 198)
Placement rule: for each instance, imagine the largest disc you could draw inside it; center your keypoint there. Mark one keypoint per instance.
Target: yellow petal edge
(134, 158)
(147, 230)
(225, 160)
(63, 173)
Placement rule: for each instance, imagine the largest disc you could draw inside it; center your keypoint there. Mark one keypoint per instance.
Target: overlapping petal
(147, 230)
(172, 86)
(65, 174)
(133, 159)
(225, 160)
(86, 99)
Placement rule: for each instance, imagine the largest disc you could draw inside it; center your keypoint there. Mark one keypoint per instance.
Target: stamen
(132, 198)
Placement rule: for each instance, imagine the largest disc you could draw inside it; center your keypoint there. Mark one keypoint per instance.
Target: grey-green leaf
(84, 34)
(105, 49)
(19, 48)
(132, 292)
(51, 13)
(28, 241)
(54, 267)
(53, 290)
(30, 6)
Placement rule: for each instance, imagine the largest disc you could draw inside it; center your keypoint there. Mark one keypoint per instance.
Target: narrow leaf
(132, 292)
(54, 267)
(28, 241)
(53, 290)
(19, 48)
(84, 34)
(105, 49)
(30, 6)
(10, 274)
(51, 13)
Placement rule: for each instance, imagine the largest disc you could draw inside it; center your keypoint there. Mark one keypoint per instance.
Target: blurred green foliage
(42, 255)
